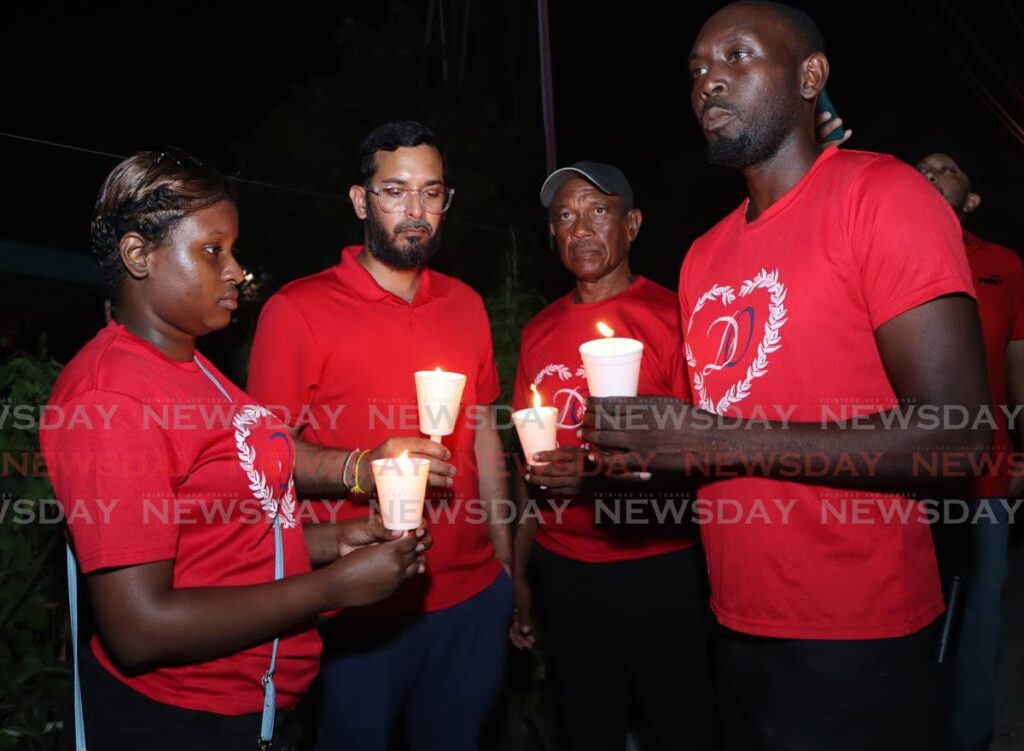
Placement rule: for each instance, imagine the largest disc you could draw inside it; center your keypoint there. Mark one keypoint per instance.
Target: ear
(634, 219)
(813, 75)
(135, 254)
(973, 201)
(357, 194)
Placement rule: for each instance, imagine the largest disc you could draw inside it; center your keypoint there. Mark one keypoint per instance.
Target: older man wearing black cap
(624, 610)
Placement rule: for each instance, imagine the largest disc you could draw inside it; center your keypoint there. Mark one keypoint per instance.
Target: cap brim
(560, 177)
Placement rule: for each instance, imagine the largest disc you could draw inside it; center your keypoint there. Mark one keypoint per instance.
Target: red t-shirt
(151, 463)
(617, 525)
(335, 354)
(999, 283)
(779, 316)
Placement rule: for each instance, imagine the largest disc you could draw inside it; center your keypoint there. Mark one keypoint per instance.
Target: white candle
(438, 395)
(612, 363)
(401, 487)
(537, 427)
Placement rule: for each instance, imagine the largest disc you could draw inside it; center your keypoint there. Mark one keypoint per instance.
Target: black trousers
(628, 642)
(813, 695)
(118, 718)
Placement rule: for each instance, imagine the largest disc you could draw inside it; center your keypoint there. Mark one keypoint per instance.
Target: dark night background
(284, 95)
(281, 98)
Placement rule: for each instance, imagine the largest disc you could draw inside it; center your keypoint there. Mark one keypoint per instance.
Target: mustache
(716, 102)
(413, 224)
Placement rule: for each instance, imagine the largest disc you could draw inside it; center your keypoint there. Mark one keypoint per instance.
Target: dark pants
(974, 699)
(118, 718)
(811, 695)
(438, 674)
(628, 635)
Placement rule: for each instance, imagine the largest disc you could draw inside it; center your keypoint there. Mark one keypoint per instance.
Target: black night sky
(283, 96)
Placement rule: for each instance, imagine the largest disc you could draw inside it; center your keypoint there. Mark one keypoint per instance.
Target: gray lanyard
(269, 691)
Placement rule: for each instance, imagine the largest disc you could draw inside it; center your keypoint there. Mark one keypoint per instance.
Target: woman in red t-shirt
(179, 495)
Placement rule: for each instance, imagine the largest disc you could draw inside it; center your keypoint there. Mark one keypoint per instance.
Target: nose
(232, 271)
(581, 226)
(714, 82)
(414, 204)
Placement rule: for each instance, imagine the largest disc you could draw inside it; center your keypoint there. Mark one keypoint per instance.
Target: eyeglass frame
(376, 190)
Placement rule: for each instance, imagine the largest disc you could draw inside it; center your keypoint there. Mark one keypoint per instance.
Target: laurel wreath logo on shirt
(248, 415)
(771, 341)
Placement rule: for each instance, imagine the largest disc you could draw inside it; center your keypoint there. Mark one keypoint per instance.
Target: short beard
(385, 249)
(757, 144)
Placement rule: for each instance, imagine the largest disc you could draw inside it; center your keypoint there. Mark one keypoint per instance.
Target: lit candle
(401, 487)
(612, 363)
(537, 427)
(438, 395)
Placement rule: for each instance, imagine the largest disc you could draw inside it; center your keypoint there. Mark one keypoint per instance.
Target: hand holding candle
(537, 427)
(438, 395)
(401, 487)
(612, 363)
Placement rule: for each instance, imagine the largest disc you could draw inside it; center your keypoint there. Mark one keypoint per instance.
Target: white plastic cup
(537, 428)
(401, 488)
(612, 365)
(438, 395)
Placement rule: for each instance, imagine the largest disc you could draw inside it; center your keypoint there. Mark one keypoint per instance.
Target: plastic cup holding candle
(401, 486)
(537, 427)
(612, 363)
(438, 395)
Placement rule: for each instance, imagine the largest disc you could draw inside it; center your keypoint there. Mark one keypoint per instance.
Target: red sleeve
(905, 240)
(285, 362)
(488, 386)
(521, 387)
(680, 379)
(1016, 288)
(114, 475)
(684, 319)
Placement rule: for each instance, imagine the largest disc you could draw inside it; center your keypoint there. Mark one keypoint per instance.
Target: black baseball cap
(604, 177)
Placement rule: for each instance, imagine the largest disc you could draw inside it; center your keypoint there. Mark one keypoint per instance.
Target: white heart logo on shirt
(771, 341)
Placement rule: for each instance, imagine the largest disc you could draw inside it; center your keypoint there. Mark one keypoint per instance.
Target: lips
(229, 301)
(715, 117)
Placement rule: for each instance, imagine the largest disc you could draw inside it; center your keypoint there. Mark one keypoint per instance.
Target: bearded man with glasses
(334, 356)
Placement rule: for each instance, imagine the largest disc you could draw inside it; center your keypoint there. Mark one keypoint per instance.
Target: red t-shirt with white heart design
(152, 462)
(779, 318)
(615, 522)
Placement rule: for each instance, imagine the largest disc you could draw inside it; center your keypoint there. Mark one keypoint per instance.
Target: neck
(770, 181)
(143, 323)
(400, 282)
(614, 283)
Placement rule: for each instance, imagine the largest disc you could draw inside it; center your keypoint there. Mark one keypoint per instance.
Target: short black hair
(392, 136)
(805, 29)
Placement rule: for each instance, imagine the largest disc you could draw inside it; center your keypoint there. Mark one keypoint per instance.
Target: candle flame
(605, 330)
(536, 395)
(403, 455)
(438, 368)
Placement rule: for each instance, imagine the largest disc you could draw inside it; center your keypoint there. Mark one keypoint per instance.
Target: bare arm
(145, 621)
(490, 460)
(933, 355)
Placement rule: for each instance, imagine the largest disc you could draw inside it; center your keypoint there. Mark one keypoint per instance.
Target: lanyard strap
(73, 602)
(269, 690)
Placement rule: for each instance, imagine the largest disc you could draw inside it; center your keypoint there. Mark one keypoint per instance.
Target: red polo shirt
(999, 283)
(335, 354)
